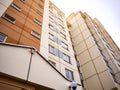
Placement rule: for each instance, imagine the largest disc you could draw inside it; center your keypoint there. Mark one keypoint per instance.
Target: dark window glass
(16, 7)
(66, 57)
(35, 34)
(52, 63)
(3, 37)
(22, 1)
(51, 27)
(51, 49)
(64, 45)
(69, 74)
(37, 21)
(9, 18)
(40, 5)
(40, 13)
(51, 36)
(62, 35)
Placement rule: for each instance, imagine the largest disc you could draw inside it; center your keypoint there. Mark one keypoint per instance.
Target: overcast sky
(106, 11)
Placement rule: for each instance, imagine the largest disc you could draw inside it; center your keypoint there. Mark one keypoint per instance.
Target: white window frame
(51, 13)
(3, 37)
(51, 49)
(16, 7)
(52, 63)
(35, 34)
(62, 35)
(61, 27)
(64, 45)
(22, 1)
(40, 13)
(37, 21)
(51, 19)
(69, 74)
(9, 18)
(51, 36)
(66, 58)
(51, 27)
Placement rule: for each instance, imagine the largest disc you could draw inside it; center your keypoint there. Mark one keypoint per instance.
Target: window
(51, 19)
(16, 7)
(51, 36)
(52, 63)
(60, 16)
(50, 8)
(51, 49)
(51, 13)
(37, 21)
(55, 22)
(3, 37)
(66, 58)
(109, 48)
(62, 35)
(61, 27)
(22, 0)
(35, 34)
(64, 45)
(69, 74)
(40, 5)
(115, 57)
(51, 27)
(9, 18)
(40, 13)
(104, 58)
(60, 20)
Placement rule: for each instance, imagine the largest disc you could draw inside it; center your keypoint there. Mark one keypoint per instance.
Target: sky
(106, 11)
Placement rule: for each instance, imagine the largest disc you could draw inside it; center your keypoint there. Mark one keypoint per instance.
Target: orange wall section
(20, 32)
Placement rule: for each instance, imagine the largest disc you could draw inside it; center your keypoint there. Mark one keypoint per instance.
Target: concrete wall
(92, 65)
(61, 65)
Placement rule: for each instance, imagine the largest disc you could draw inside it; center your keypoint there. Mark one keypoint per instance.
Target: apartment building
(56, 44)
(98, 55)
(36, 50)
(21, 21)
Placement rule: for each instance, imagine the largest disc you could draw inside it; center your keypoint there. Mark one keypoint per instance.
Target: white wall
(15, 61)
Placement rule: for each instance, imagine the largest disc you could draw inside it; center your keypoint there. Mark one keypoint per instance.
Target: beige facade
(56, 44)
(100, 69)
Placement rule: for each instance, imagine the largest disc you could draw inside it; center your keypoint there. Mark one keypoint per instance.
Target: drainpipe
(32, 52)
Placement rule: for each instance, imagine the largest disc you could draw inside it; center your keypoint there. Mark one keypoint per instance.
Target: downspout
(32, 52)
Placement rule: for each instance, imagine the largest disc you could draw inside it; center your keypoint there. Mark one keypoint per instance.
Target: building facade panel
(85, 57)
(82, 51)
(98, 61)
(106, 80)
(94, 83)
(12, 34)
(23, 17)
